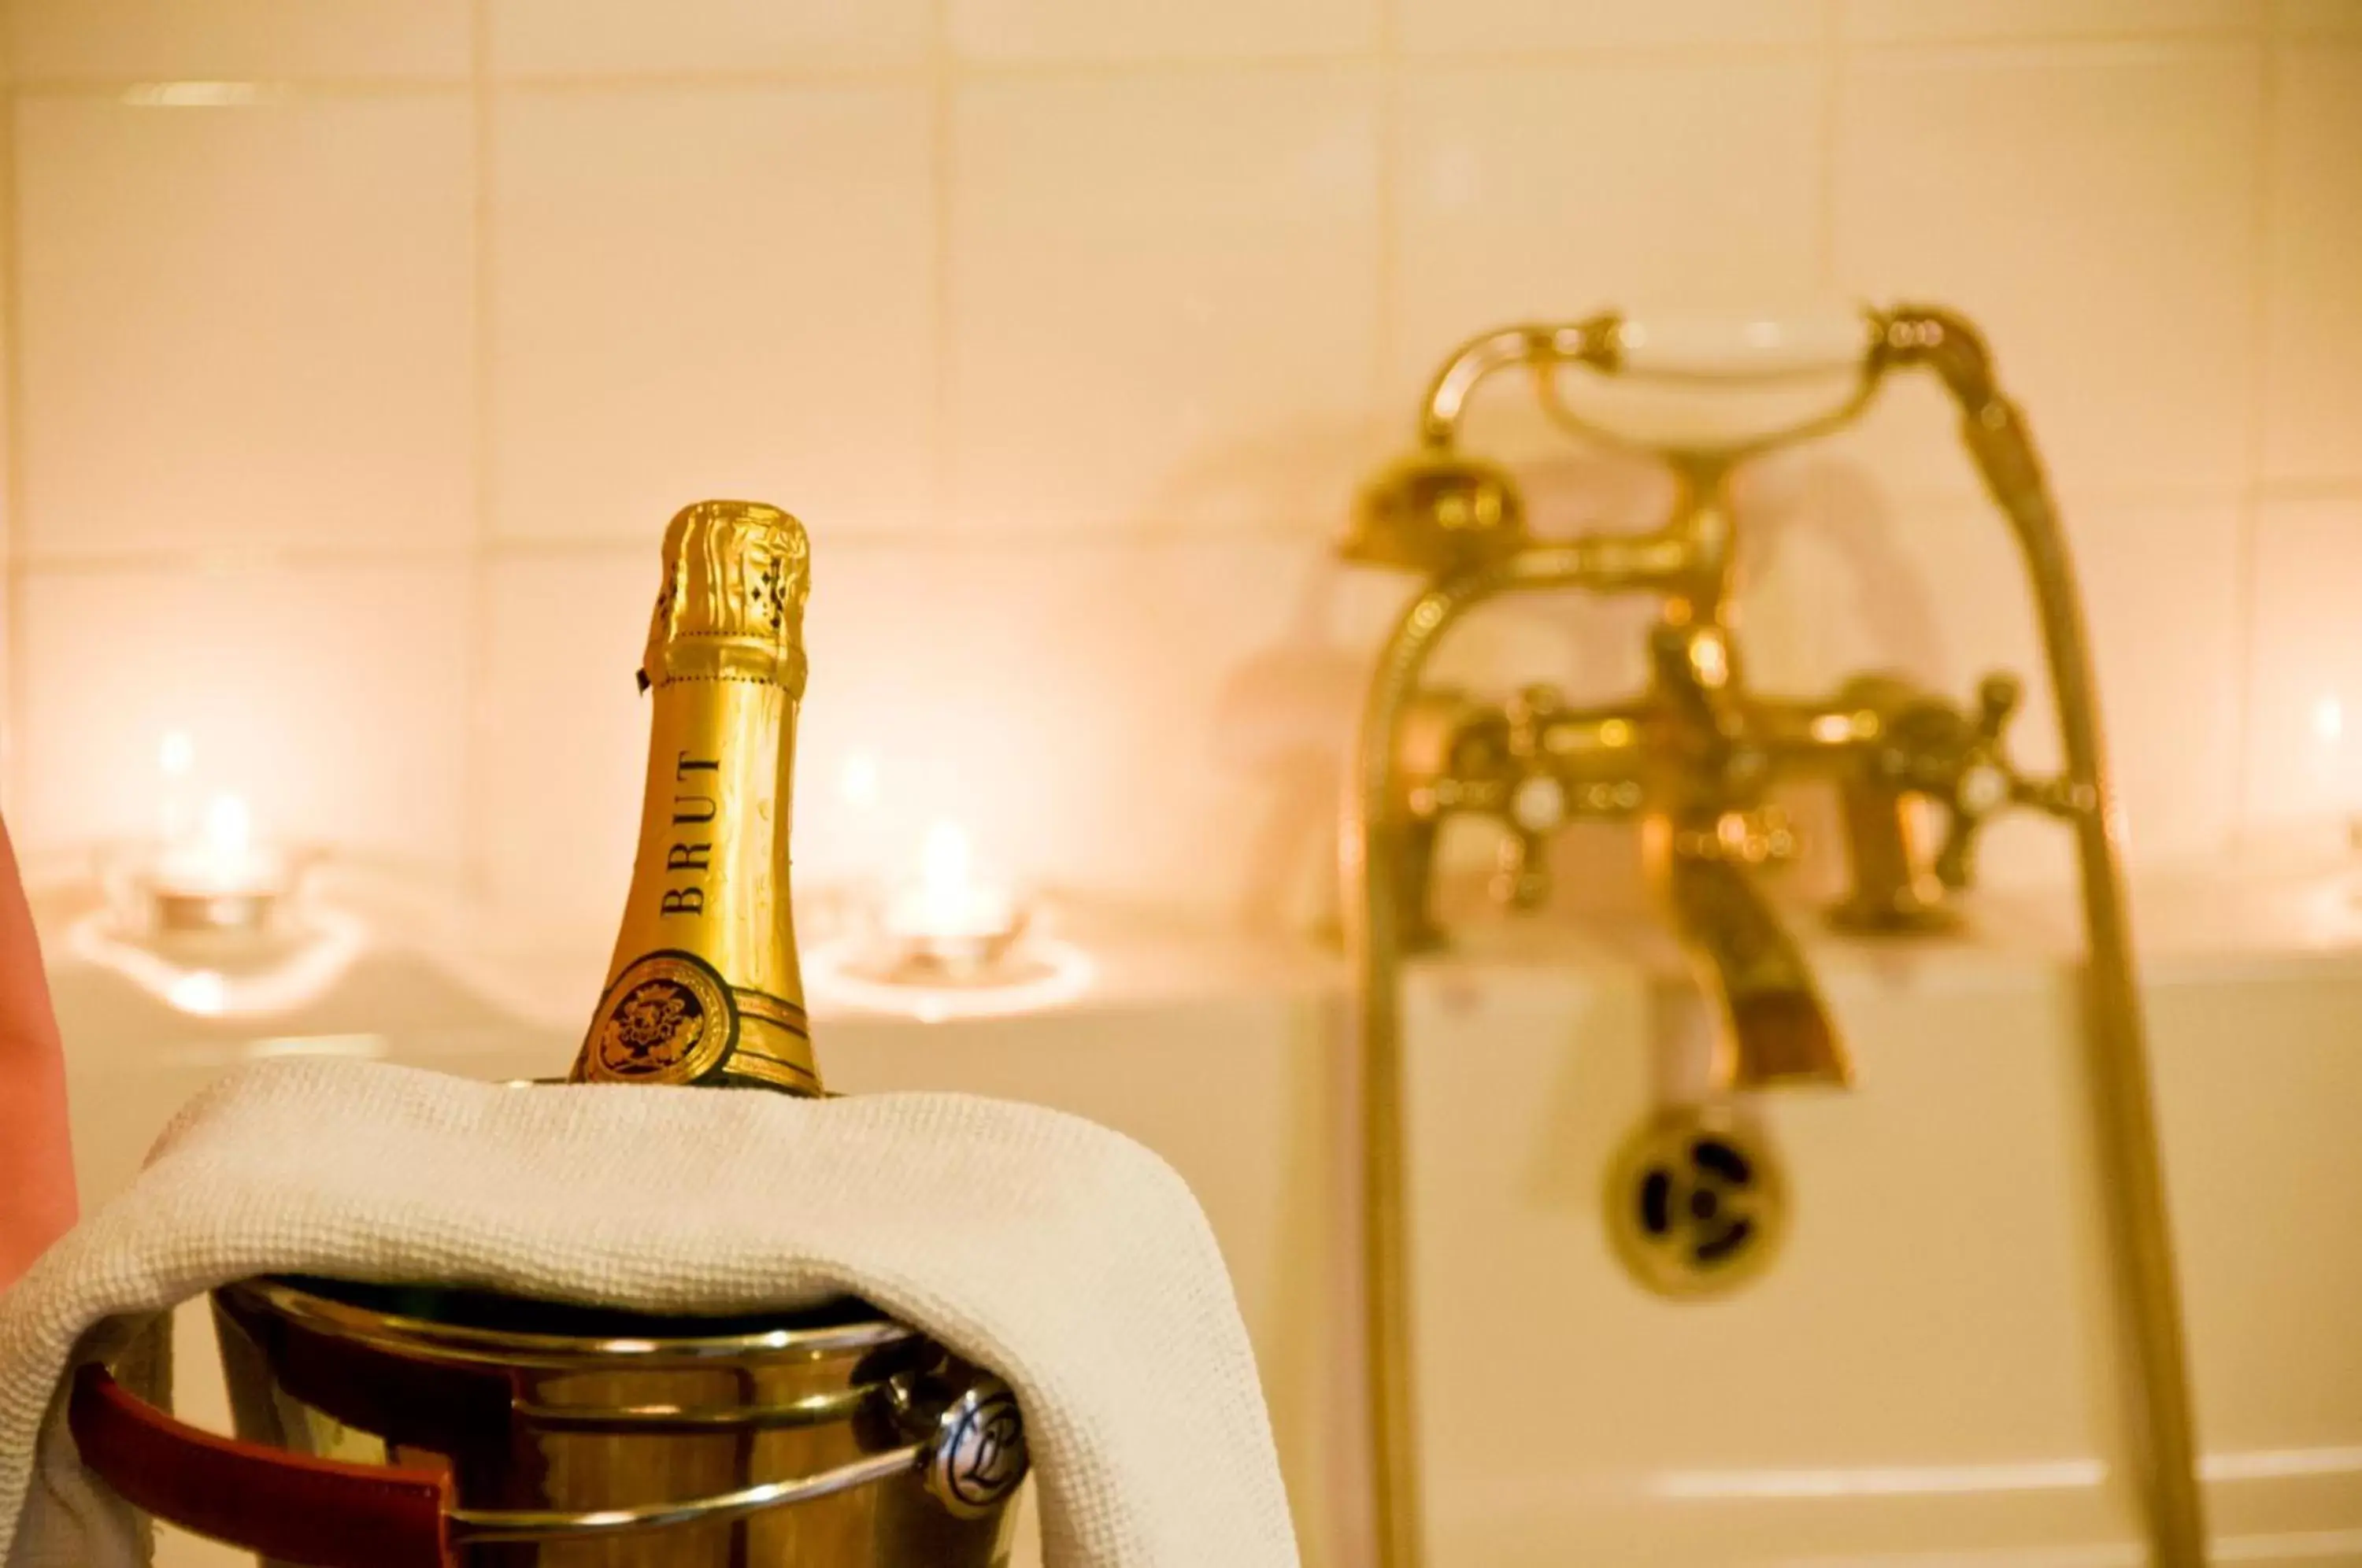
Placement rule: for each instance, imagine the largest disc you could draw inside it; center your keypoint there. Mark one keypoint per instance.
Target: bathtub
(1924, 1375)
(1927, 1373)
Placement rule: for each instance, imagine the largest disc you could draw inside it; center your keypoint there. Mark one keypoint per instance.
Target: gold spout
(1774, 1029)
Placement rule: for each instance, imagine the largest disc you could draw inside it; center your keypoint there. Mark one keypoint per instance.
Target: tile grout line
(1107, 530)
(1386, 336)
(942, 477)
(1603, 56)
(1349, 1490)
(166, 562)
(1818, 649)
(2096, 41)
(1112, 530)
(242, 92)
(1833, 81)
(474, 875)
(2248, 557)
(12, 322)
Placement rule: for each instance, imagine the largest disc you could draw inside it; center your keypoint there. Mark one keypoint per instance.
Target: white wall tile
(1147, 30)
(280, 39)
(2313, 335)
(1894, 20)
(2304, 696)
(1938, 592)
(2161, 584)
(559, 701)
(244, 326)
(1553, 192)
(543, 38)
(333, 697)
(1444, 26)
(1164, 297)
(2093, 209)
(716, 293)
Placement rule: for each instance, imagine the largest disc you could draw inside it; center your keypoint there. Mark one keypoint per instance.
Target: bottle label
(667, 1019)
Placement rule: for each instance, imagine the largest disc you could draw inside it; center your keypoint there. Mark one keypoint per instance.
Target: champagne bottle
(704, 988)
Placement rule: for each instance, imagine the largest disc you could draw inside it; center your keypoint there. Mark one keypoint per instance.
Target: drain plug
(1696, 1204)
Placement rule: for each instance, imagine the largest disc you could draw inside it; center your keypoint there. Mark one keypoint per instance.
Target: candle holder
(184, 906)
(218, 884)
(948, 944)
(976, 953)
(949, 926)
(1033, 972)
(215, 923)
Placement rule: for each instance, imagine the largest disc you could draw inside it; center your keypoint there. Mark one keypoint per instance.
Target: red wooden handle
(281, 1505)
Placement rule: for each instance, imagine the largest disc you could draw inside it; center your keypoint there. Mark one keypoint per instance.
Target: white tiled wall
(359, 348)
(244, 327)
(2095, 204)
(710, 289)
(1162, 286)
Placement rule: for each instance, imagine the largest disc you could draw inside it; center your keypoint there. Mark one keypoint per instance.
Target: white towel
(1064, 1256)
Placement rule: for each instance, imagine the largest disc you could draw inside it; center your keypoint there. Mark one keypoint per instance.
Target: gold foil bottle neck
(736, 574)
(704, 987)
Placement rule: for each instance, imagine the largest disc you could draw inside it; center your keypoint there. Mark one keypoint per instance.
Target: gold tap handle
(1979, 782)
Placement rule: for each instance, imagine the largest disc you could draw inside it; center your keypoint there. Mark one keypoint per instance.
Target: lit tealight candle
(220, 877)
(950, 919)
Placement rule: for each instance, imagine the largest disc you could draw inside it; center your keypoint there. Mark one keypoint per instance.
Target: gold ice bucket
(383, 1426)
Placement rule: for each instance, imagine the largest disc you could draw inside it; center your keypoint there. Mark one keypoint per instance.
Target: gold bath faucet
(1698, 746)
(1697, 1200)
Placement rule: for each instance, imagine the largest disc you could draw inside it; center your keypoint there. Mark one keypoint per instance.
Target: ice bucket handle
(299, 1510)
(266, 1500)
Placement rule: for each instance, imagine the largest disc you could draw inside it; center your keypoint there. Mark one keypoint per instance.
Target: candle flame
(946, 864)
(948, 899)
(220, 854)
(176, 758)
(229, 833)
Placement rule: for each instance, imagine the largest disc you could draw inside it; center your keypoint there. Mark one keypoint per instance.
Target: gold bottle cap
(735, 576)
